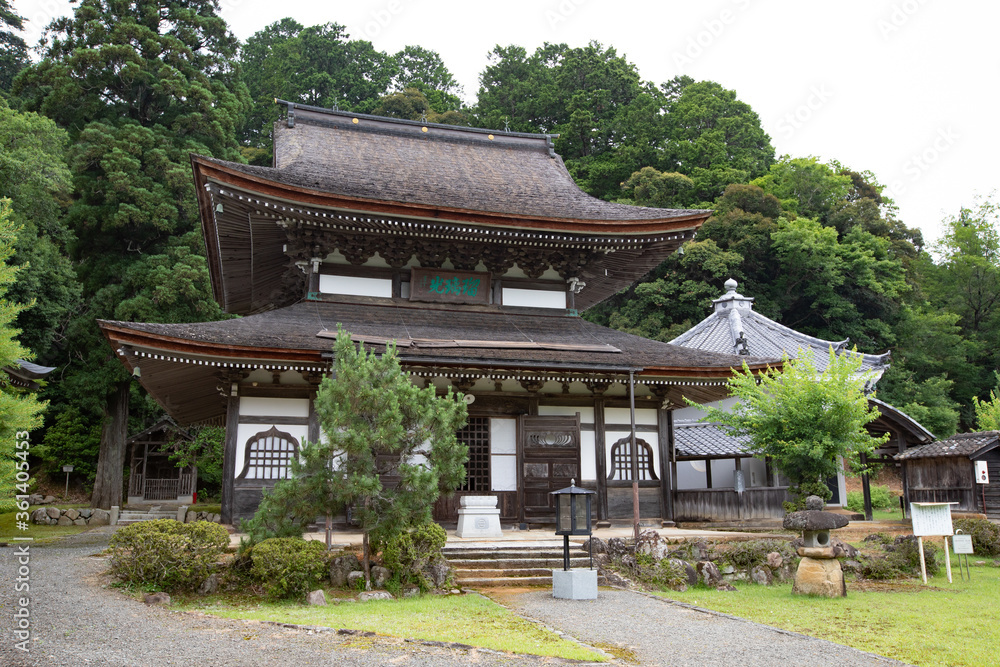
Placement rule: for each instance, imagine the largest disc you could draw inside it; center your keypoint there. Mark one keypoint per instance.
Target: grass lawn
(40, 533)
(468, 619)
(939, 624)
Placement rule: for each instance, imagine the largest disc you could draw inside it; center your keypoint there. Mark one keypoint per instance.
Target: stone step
(515, 563)
(490, 582)
(507, 553)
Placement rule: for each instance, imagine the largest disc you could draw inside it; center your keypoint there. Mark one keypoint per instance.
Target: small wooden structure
(153, 476)
(945, 471)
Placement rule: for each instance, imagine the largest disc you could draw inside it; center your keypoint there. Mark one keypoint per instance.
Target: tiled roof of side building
(441, 166)
(962, 444)
(736, 328)
(707, 440)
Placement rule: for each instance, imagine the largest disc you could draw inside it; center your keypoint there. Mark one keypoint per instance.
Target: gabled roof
(707, 440)
(970, 445)
(736, 328)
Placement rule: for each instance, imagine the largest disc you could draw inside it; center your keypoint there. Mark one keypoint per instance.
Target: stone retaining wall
(86, 516)
(193, 516)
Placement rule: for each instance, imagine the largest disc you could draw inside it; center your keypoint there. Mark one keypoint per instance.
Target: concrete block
(574, 584)
(478, 516)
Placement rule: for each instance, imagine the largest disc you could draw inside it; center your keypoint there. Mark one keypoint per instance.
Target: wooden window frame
(621, 463)
(268, 463)
(477, 468)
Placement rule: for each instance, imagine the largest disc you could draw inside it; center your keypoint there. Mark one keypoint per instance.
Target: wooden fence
(727, 505)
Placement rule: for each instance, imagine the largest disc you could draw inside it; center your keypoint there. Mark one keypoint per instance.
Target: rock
(708, 573)
(53, 512)
(774, 560)
(72, 514)
(814, 520)
(48, 500)
(820, 577)
(86, 512)
(652, 544)
(411, 590)
(190, 517)
(815, 503)
(761, 574)
(438, 573)
(35, 499)
(375, 595)
(817, 552)
(210, 585)
(380, 575)
(353, 579)
(850, 566)
(317, 597)
(612, 578)
(39, 516)
(692, 574)
(726, 587)
(728, 569)
(80, 521)
(157, 598)
(699, 551)
(618, 547)
(341, 567)
(598, 545)
(100, 518)
(63, 521)
(455, 591)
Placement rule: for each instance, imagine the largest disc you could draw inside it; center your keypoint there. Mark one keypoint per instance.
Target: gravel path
(659, 632)
(75, 621)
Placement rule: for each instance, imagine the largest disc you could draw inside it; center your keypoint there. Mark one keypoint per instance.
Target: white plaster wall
(588, 456)
(691, 475)
(586, 414)
(754, 472)
(246, 431)
(252, 406)
(533, 298)
(723, 473)
(643, 416)
(503, 454)
(689, 414)
(355, 286)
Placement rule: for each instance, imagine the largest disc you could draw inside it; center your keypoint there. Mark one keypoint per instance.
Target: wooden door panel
(550, 455)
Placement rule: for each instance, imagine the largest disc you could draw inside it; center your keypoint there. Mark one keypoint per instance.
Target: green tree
(319, 66)
(804, 421)
(13, 49)
(988, 412)
(424, 70)
(378, 426)
(20, 411)
(138, 87)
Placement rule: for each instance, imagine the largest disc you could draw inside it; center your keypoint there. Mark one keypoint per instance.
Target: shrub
(985, 535)
(747, 555)
(167, 554)
(289, 567)
(900, 559)
(663, 573)
(882, 499)
(408, 555)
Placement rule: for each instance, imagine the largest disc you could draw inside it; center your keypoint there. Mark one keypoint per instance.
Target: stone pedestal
(817, 576)
(478, 516)
(574, 584)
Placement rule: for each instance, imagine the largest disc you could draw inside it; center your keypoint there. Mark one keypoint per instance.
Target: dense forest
(97, 132)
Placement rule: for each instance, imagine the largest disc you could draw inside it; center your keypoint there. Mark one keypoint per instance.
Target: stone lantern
(819, 571)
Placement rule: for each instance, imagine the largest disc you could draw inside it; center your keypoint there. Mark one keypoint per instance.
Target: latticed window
(268, 455)
(621, 460)
(476, 436)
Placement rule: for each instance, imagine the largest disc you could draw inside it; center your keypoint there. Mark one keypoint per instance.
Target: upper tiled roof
(440, 166)
(735, 328)
(962, 444)
(708, 440)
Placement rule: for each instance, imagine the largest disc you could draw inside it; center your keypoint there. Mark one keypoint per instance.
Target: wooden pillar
(866, 489)
(229, 458)
(901, 445)
(665, 440)
(600, 450)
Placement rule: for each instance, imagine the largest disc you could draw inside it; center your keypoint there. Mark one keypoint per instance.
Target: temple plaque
(446, 286)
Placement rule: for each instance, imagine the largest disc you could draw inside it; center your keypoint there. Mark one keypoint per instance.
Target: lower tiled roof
(708, 440)
(962, 444)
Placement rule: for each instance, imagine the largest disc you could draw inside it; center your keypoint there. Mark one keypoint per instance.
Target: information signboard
(962, 544)
(931, 518)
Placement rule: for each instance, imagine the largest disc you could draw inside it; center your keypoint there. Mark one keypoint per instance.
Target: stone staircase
(127, 516)
(484, 565)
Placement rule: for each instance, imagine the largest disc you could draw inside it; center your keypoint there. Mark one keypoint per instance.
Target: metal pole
(565, 552)
(66, 495)
(635, 457)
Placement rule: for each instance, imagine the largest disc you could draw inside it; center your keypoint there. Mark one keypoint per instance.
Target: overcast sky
(904, 88)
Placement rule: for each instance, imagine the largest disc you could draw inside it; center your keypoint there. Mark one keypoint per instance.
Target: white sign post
(963, 546)
(932, 519)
